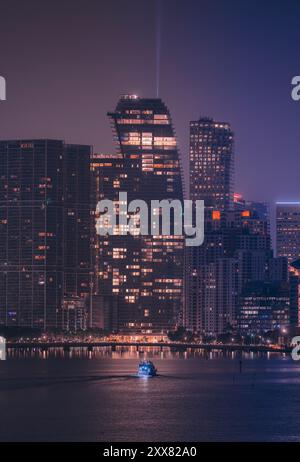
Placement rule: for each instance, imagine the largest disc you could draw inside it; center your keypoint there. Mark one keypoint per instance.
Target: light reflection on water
(131, 352)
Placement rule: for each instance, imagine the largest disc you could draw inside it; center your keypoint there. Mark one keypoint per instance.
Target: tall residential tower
(144, 273)
(211, 163)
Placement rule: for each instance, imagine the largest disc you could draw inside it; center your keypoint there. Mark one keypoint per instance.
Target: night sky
(67, 62)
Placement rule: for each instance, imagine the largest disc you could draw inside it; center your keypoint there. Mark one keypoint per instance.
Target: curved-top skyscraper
(144, 273)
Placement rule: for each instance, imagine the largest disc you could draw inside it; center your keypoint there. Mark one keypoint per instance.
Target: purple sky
(66, 63)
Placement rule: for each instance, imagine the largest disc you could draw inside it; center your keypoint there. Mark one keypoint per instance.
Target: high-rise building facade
(260, 210)
(294, 277)
(108, 179)
(210, 286)
(288, 230)
(236, 251)
(143, 272)
(44, 230)
(76, 203)
(264, 307)
(211, 163)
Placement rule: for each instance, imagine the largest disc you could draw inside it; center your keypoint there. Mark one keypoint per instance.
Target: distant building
(236, 251)
(211, 285)
(260, 209)
(211, 280)
(44, 230)
(278, 269)
(294, 277)
(288, 230)
(211, 163)
(288, 246)
(264, 307)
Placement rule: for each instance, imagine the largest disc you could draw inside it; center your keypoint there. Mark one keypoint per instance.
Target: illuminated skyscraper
(211, 163)
(144, 273)
(44, 231)
(211, 282)
(108, 179)
(288, 230)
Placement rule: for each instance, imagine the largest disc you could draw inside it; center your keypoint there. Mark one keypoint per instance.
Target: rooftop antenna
(158, 18)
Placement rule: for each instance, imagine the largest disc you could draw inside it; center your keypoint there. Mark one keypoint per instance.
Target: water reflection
(132, 352)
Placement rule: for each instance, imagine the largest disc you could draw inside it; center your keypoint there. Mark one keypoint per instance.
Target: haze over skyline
(66, 64)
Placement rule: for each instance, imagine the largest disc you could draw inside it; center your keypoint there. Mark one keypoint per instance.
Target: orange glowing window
(246, 213)
(216, 215)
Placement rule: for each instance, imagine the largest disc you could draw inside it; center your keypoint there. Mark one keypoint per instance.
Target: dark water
(97, 397)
